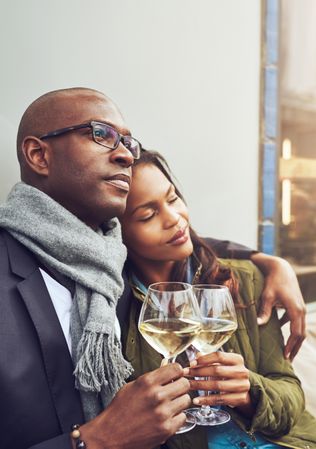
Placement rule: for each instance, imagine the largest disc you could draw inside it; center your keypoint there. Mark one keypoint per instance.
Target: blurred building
(297, 235)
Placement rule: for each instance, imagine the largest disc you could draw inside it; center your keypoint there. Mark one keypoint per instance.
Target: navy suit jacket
(38, 401)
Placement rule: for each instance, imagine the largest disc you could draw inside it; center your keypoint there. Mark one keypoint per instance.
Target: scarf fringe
(96, 369)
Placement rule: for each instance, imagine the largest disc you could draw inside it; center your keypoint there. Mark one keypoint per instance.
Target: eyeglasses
(104, 135)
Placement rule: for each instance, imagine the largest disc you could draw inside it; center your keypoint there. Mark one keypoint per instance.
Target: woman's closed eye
(153, 212)
(173, 199)
(148, 216)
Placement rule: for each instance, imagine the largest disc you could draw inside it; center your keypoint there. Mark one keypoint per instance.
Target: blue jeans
(229, 435)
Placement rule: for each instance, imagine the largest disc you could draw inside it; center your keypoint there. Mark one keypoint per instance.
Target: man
(61, 250)
(73, 186)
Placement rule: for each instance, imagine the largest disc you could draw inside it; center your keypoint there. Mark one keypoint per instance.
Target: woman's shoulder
(249, 277)
(241, 266)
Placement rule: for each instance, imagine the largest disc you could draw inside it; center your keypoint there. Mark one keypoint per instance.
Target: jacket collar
(140, 294)
(22, 261)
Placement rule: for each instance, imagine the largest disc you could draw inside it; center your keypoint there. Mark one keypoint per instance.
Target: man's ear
(36, 155)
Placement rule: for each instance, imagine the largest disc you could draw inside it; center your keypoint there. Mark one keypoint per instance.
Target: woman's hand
(228, 380)
(281, 289)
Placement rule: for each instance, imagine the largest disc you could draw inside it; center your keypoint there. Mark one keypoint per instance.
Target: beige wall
(185, 74)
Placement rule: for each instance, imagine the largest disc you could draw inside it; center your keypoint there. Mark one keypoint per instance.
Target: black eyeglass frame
(120, 137)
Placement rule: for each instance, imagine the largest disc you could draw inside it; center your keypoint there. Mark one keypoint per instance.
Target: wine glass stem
(206, 411)
(168, 360)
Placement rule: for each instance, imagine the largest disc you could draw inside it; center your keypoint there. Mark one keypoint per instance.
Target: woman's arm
(275, 389)
(273, 400)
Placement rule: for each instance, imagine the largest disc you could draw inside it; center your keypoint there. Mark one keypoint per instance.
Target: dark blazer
(38, 401)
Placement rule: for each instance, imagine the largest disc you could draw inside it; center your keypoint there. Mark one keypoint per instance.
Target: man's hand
(282, 290)
(143, 414)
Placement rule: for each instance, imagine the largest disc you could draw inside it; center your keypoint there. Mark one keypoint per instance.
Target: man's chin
(115, 210)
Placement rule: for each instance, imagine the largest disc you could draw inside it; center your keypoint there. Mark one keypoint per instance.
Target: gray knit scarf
(92, 262)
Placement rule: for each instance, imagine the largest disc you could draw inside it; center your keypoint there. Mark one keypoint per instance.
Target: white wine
(214, 333)
(170, 337)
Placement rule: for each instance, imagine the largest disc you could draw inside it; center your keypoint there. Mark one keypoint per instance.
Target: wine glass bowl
(169, 321)
(219, 320)
(170, 318)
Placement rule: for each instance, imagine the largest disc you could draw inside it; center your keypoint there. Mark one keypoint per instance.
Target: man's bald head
(73, 168)
(54, 110)
(59, 109)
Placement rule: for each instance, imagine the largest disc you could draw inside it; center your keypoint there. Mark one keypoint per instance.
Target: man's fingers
(297, 333)
(293, 345)
(178, 421)
(297, 318)
(179, 404)
(290, 351)
(284, 319)
(174, 389)
(165, 374)
(265, 309)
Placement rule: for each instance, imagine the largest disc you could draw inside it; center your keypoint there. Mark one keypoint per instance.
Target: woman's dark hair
(211, 271)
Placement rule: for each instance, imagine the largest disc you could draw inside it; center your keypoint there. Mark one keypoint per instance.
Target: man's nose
(122, 156)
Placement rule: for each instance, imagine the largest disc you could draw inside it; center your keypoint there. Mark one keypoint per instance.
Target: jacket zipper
(251, 435)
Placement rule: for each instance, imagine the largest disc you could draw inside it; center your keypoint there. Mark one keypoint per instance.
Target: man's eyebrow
(152, 204)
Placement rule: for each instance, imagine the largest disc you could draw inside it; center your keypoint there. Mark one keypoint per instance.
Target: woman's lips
(179, 238)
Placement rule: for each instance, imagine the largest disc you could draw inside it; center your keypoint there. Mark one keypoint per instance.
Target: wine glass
(219, 322)
(169, 320)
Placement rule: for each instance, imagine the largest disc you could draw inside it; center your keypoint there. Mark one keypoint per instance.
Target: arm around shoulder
(282, 289)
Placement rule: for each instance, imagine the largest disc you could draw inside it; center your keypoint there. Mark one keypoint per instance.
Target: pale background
(185, 74)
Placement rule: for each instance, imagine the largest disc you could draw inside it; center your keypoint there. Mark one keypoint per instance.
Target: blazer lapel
(55, 353)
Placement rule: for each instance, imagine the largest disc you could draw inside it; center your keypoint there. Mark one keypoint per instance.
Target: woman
(264, 395)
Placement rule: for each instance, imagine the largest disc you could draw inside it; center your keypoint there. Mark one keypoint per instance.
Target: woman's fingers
(220, 357)
(219, 371)
(222, 373)
(218, 364)
(222, 386)
(231, 399)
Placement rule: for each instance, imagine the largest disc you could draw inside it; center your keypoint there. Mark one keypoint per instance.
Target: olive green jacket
(275, 390)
